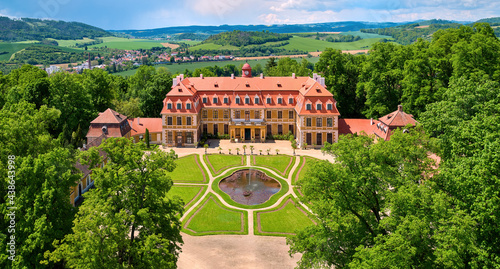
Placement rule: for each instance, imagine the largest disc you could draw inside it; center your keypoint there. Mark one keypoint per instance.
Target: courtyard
(219, 232)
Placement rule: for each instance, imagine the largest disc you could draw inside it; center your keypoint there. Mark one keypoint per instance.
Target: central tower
(246, 71)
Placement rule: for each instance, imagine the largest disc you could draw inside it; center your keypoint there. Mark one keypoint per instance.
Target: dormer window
(204, 100)
(169, 106)
(318, 90)
(308, 106)
(280, 100)
(268, 100)
(256, 100)
(237, 100)
(179, 105)
(214, 100)
(226, 100)
(188, 106)
(290, 100)
(247, 100)
(329, 106)
(318, 106)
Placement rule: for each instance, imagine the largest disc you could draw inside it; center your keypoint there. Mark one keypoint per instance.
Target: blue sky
(127, 14)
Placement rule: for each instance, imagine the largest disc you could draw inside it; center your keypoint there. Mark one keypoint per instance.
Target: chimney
(174, 81)
(315, 76)
(293, 75)
(138, 121)
(201, 76)
(232, 76)
(400, 108)
(181, 76)
(371, 121)
(261, 75)
(322, 82)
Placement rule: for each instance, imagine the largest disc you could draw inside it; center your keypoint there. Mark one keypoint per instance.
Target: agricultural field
(7, 49)
(127, 43)
(310, 45)
(71, 42)
(212, 46)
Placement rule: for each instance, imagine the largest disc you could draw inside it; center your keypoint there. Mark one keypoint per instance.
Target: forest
(14, 30)
(242, 38)
(384, 204)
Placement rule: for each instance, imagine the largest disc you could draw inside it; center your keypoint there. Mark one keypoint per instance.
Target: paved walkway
(240, 251)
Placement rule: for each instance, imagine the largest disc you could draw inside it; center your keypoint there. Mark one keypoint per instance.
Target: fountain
(249, 187)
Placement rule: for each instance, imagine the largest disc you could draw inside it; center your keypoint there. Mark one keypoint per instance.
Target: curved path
(240, 251)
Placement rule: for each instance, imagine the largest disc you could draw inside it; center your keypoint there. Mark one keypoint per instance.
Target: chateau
(249, 109)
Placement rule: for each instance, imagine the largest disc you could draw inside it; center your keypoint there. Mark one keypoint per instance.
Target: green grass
(365, 35)
(180, 68)
(11, 48)
(272, 200)
(301, 173)
(188, 194)
(211, 217)
(188, 171)
(217, 163)
(279, 163)
(71, 42)
(282, 220)
(308, 44)
(212, 46)
(127, 44)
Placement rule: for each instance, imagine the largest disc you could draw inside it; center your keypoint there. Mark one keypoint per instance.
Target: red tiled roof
(352, 126)
(109, 116)
(139, 125)
(398, 118)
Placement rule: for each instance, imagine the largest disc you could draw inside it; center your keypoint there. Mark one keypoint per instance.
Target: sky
(127, 14)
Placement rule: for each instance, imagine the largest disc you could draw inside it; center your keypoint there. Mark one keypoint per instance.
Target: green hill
(242, 38)
(15, 30)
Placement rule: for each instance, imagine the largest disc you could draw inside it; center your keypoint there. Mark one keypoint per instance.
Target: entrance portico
(247, 131)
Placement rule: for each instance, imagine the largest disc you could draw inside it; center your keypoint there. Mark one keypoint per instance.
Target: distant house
(52, 69)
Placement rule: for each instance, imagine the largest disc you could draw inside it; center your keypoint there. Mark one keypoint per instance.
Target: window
(169, 106)
(318, 139)
(237, 101)
(290, 114)
(169, 120)
(214, 100)
(204, 100)
(318, 106)
(268, 100)
(257, 114)
(216, 129)
(247, 100)
(329, 106)
(269, 114)
(179, 106)
(204, 114)
(269, 129)
(280, 114)
(308, 106)
(88, 180)
(308, 122)
(226, 100)
(179, 120)
(226, 114)
(256, 100)
(280, 100)
(216, 114)
(237, 114)
(189, 137)
(188, 106)
(290, 100)
(290, 128)
(205, 128)
(280, 129)
(329, 138)
(226, 129)
(188, 121)
(319, 122)
(329, 122)
(169, 137)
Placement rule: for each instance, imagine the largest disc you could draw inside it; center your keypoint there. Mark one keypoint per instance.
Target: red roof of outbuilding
(398, 118)
(109, 116)
(352, 126)
(139, 125)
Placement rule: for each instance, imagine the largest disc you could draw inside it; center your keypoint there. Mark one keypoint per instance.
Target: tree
(147, 138)
(378, 207)
(151, 97)
(244, 149)
(98, 84)
(206, 148)
(127, 220)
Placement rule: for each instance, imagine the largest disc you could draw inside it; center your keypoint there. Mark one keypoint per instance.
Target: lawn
(211, 217)
(188, 194)
(189, 170)
(302, 168)
(181, 67)
(288, 217)
(309, 44)
(127, 43)
(7, 49)
(217, 163)
(71, 42)
(279, 163)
